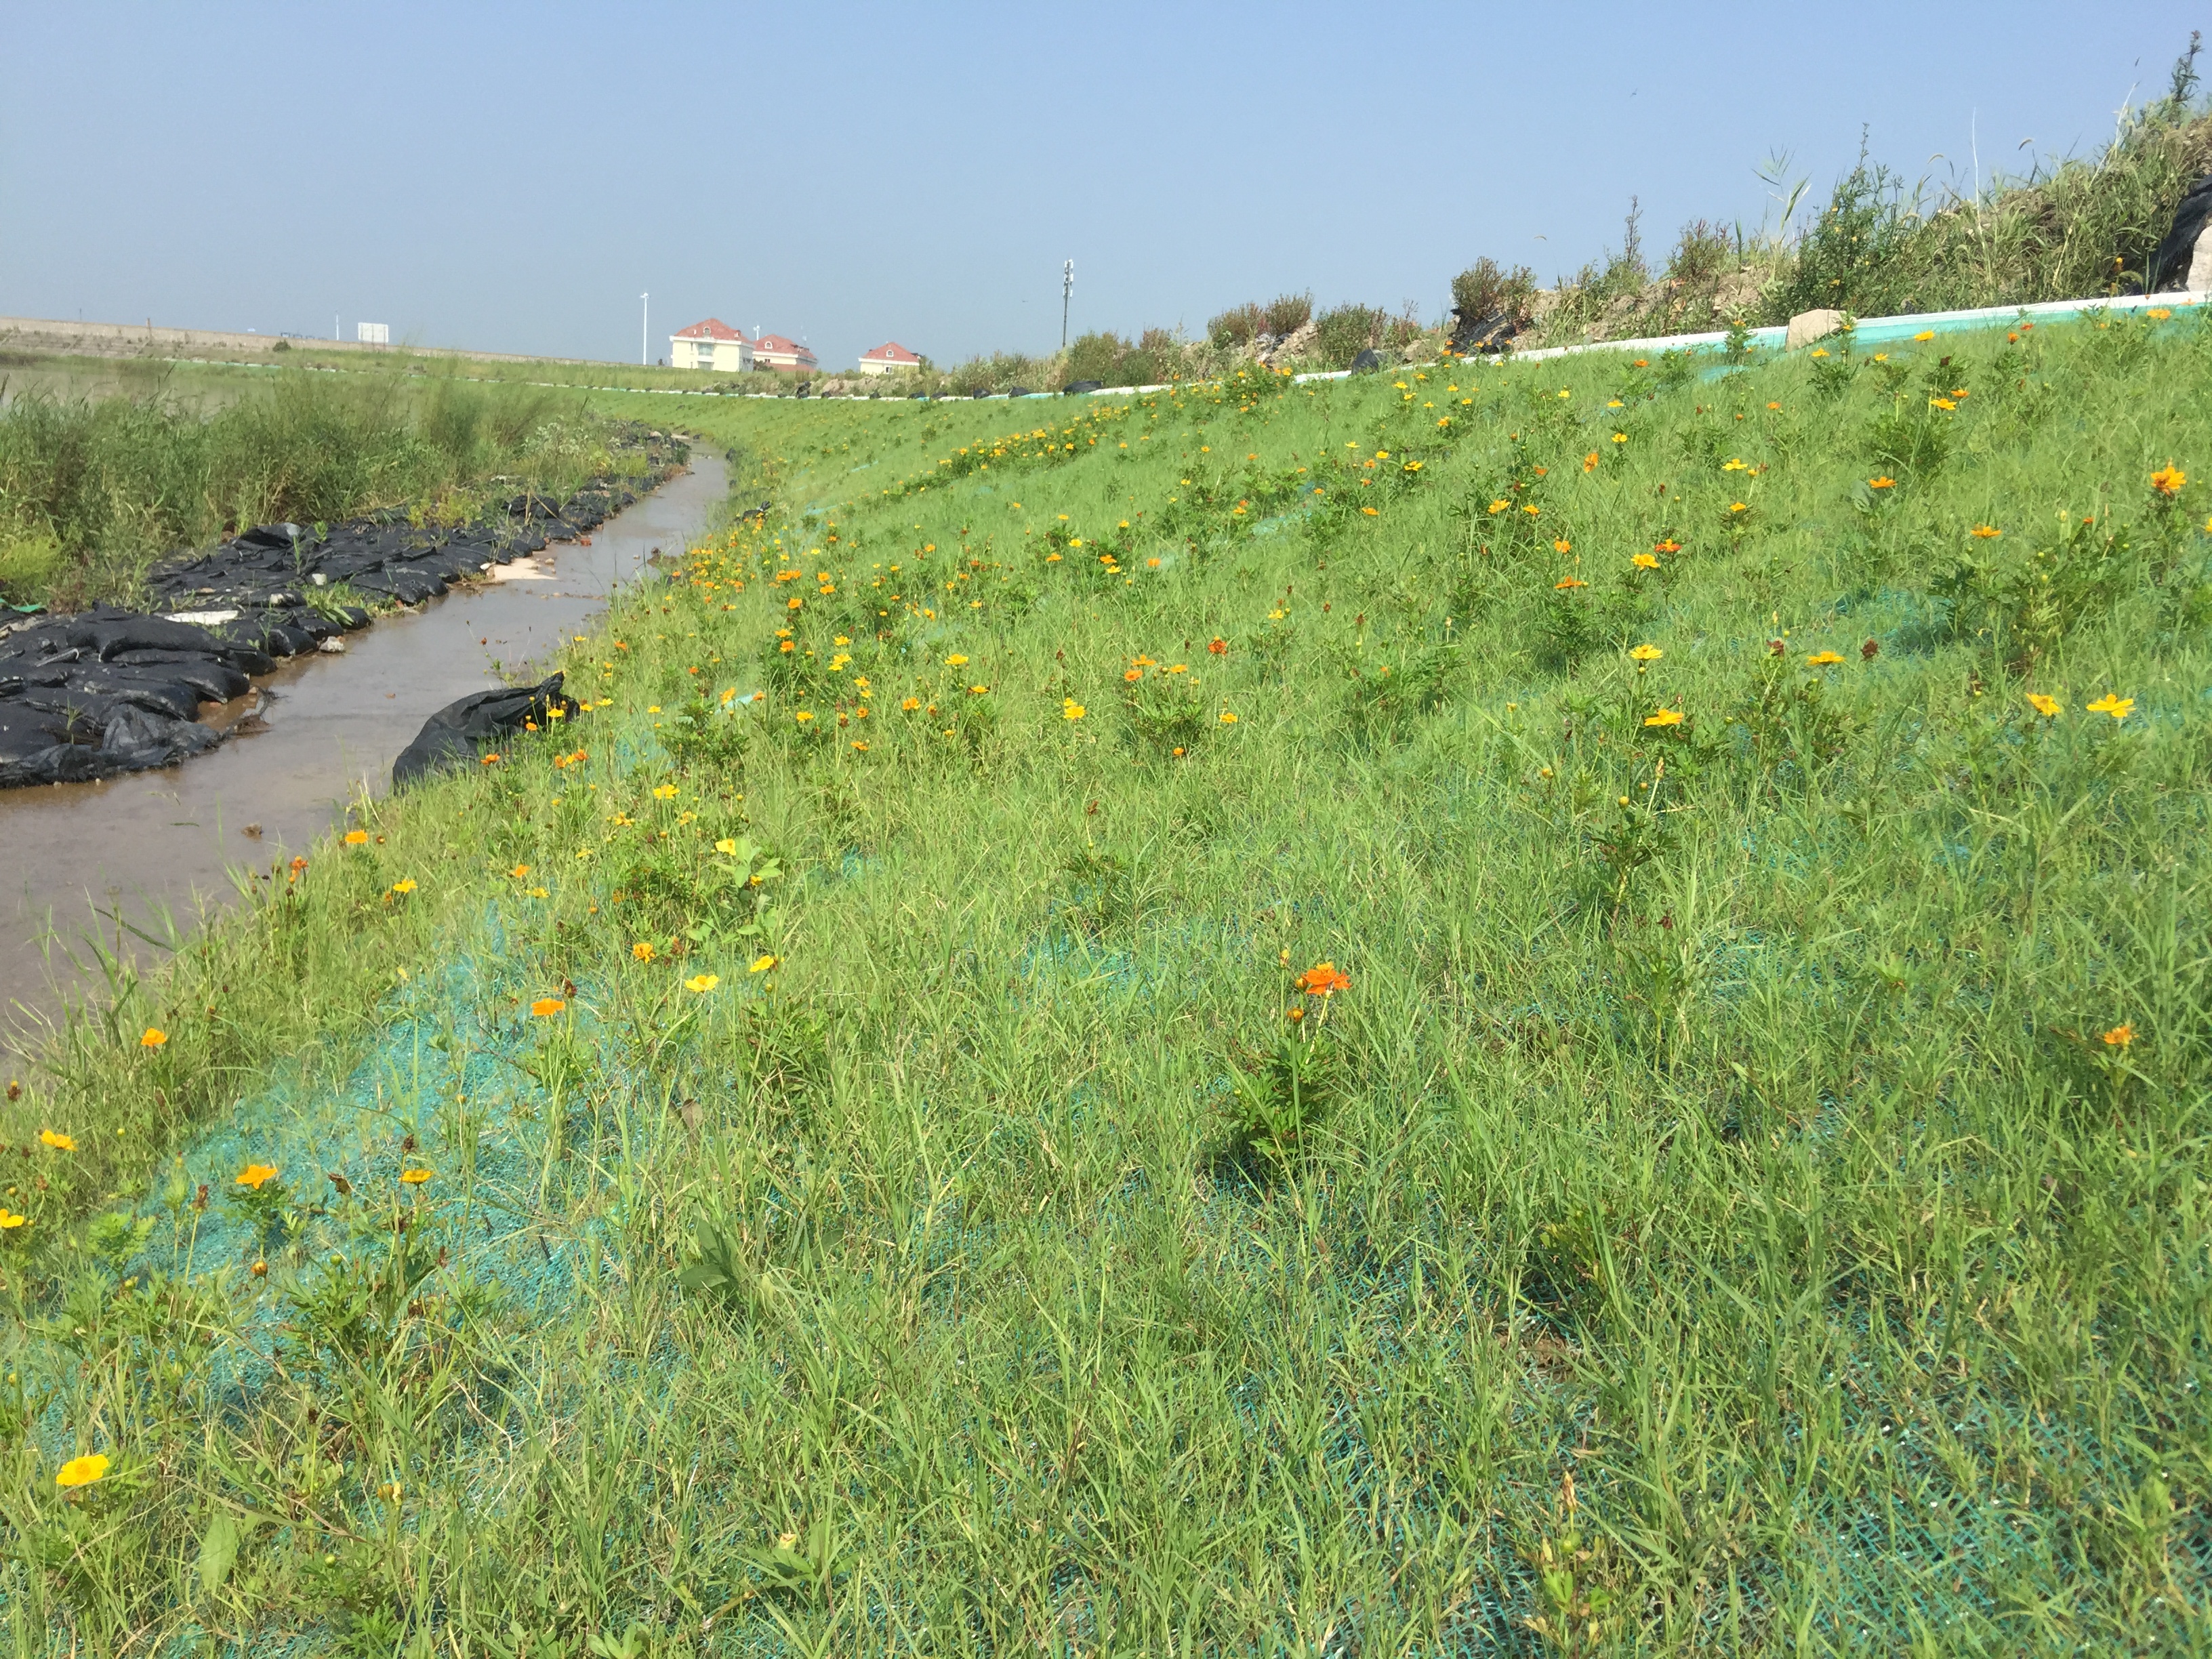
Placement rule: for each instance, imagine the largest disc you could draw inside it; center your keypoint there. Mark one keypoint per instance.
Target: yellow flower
(546, 1008)
(9, 1220)
(726, 848)
(664, 792)
(911, 704)
(1736, 466)
(1072, 710)
(257, 1176)
(1647, 654)
(414, 1177)
(1824, 659)
(154, 1037)
(2046, 707)
(703, 983)
(1645, 561)
(641, 951)
(957, 660)
(1664, 717)
(1987, 532)
(81, 1471)
(762, 964)
(1944, 404)
(1499, 505)
(357, 837)
(2158, 313)
(2119, 707)
(1620, 437)
(1926, 334)
(405, 885)
(2168, 480)
(1228, 718)
(60, 1143)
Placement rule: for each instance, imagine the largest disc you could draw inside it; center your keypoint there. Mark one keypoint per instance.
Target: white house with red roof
(711, 345)
(773, 351)
(889, 358)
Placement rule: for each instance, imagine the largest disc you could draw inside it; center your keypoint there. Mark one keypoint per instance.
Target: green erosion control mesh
(1965, 1534)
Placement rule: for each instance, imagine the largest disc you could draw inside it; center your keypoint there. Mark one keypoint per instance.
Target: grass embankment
(854, 1170)
(93, 491)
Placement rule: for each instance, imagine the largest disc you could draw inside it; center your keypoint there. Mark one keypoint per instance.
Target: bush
(1343, 333)
(1485, 288)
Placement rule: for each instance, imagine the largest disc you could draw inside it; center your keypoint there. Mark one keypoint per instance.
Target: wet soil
(121, 861)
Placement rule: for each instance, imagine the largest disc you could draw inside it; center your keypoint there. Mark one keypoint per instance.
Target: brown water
(120, 860)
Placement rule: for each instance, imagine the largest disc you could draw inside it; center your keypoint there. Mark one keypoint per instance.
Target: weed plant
(1000, 1090)
(92, 491)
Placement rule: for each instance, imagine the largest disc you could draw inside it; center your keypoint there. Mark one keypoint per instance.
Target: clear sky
(512, 178)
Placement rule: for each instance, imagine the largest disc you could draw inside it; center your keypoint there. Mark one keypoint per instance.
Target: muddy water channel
(124, 859)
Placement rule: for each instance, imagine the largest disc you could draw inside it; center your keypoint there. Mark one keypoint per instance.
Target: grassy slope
(1740, 1139)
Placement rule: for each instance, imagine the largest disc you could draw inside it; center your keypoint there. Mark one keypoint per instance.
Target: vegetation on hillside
(1513, 1006)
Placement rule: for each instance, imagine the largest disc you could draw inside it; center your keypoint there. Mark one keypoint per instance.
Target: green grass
(1749, 1193)
(93, 489)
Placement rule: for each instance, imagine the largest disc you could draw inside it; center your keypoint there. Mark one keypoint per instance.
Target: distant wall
(54, 337)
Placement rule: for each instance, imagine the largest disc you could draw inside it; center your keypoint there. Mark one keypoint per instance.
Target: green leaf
(219, 1547)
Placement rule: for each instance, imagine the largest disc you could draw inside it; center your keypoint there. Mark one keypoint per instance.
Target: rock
(1807, 326)
(1367, 362)
(1492, 333)
(1076, 388)
(2184, 259)
(332, 647)
(1018, 391)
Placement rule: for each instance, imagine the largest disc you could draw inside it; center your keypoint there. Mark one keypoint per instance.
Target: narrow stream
(108, 860)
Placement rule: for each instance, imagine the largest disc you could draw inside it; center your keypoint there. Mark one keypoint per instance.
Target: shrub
(1343, 333)
(1485, 288)
(1287, 314)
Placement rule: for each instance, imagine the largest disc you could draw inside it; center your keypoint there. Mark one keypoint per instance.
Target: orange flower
(1322, 980)
(641, 951)
(1566, 582)
(1986, 531)
(545, 1007)
(1670, 545)
(154, 1037)
(1883, 482)
(2168, 480)
(357, 837)
(2119, 1036)
(1561, 544)
(1133, 675)
(1589, 462)
(256, 1174)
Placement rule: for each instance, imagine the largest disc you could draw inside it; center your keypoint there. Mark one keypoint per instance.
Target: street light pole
(644, 329)
(1066, 287)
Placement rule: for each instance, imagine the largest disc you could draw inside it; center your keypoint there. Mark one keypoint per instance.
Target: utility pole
(644, 329)
(1066, 287)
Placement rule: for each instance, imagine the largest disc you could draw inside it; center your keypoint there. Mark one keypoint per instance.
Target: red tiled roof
(777, 343)
(889, 352)
(712, 329)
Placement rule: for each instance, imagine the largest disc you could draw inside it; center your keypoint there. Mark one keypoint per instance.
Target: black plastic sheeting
(113, 692)
(456, 731)
(2169, 264)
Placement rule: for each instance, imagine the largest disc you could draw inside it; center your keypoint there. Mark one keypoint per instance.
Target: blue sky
(513, 177)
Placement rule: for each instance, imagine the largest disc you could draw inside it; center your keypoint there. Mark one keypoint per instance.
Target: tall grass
(1748, 1196)
(92, 490)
